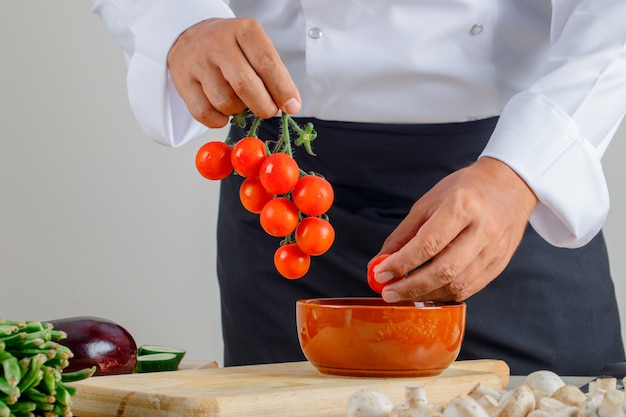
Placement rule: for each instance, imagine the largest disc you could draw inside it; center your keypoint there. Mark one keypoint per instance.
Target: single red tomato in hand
(247, 156)
(253, 195)
(375, 285)
(279, 173)
(279, 217)
(291, 262)
(213, 160)
(314, 235)
(313, 195)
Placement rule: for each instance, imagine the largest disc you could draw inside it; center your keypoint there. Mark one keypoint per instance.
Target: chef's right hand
(220, 67)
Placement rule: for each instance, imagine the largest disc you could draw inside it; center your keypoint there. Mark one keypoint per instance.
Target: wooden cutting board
(294, 389)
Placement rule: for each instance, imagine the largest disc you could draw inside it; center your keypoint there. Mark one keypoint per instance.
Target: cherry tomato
(314, 235)
(313, 195)
(279, 217)
(247, 156)
(375, 285)
(279, 173)
(213, 160)
(291, 262)
(253, 195)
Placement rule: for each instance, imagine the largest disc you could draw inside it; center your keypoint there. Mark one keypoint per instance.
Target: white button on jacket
(555, 72)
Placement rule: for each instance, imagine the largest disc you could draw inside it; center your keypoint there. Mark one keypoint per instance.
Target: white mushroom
(437, 408)
(416, 403)
(415, 394)
(549, 404)
(544, 381)
(556, 407)
(490, 404)
(481, 389)
(400, 410)
(422, 410)
(464, 406)
(602, 384)
(517, 403)
(570, 395)
(611, 404)
(543, 394)
(558, 413)
(540, 413)
(590, 407)
(368, 403)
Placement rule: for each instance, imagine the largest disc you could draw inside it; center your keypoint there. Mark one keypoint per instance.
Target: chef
(462, 137)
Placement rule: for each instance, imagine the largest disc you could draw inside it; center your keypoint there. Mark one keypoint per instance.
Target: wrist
(504, 175)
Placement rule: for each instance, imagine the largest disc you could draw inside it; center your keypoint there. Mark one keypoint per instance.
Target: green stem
(285, 140)
(240, 118)
(252, 133)
(295, 126)
(305, 136)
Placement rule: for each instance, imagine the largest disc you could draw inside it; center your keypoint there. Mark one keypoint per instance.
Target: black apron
(551, 308)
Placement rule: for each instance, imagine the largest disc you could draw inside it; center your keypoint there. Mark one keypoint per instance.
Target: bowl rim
(353, 302)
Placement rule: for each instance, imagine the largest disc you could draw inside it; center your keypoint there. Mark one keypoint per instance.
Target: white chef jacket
(555, 73)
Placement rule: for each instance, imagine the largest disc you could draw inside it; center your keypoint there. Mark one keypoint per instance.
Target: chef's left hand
(459, 236)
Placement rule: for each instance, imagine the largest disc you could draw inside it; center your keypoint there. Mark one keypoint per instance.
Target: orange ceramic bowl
(368, 337)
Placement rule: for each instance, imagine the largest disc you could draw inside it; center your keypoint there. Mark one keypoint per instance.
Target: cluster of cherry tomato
(291, 203)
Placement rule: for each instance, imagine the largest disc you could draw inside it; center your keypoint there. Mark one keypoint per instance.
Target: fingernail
(384, 276)
(292, 106)
(390, 296)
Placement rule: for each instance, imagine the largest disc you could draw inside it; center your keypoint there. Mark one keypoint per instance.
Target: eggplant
(99, 342)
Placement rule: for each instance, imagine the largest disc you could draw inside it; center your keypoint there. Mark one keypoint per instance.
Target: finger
(208, 97)
(432, 238)
(441, 294)
(267, 64)
(210, 100)
(210, 53)
(471, 281)
(220, 94)
(443, 269)
(406, 289)
(249, 88)
(460, 271)
(447, 275)
(200, 107)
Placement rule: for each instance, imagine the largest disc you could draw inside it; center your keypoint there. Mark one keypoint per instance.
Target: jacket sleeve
(555, 133)
(145, 30)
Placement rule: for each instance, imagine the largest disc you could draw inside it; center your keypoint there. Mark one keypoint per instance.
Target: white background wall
(96, 219)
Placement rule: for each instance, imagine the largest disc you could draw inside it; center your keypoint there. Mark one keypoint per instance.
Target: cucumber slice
(157, 362)
(150, 349)
(169, 358)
